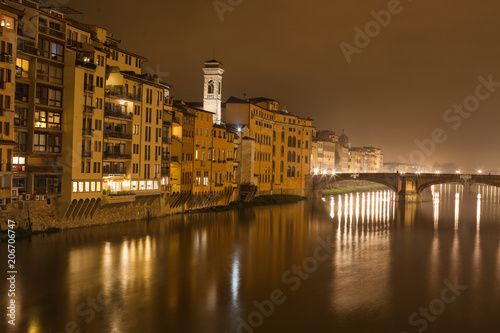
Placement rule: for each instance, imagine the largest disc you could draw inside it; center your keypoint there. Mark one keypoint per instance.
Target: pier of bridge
(408, 187)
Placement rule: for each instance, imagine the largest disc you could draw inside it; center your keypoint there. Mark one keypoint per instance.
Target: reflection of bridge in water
(408, 187)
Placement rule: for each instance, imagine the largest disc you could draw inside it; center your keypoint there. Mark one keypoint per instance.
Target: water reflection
(201, 272)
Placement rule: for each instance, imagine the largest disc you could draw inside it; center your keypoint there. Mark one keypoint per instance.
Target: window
(22, 92)
(22, 68)
(48, 96)
(75, 187)
(39, 142)
(7, 22)
(50, 120)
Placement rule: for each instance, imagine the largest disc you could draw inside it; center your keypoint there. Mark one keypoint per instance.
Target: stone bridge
(408, 187)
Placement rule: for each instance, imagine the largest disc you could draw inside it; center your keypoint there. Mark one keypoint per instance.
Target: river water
(349, 263)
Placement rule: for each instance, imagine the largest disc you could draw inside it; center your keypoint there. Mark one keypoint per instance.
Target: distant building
(275, 148)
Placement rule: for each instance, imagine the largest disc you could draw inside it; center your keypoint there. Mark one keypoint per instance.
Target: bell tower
(212, 94)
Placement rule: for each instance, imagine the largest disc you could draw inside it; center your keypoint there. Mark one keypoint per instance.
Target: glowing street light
(457, 172)
(437, 172)
(479, 171)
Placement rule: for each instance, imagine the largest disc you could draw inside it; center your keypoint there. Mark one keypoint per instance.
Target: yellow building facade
(282, 145)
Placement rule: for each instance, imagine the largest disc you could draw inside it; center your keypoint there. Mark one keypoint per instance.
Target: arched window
(289, 141)
(211, 87)
(289, 170)
(294, 142)
(289, 156)
(282, 151)
(282, 136)
(293, 172)
(282, 167)
(293, 157)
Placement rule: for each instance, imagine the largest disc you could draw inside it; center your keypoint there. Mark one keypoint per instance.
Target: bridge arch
(388, 180)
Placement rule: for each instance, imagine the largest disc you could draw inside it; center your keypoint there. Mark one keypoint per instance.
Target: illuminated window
(142, 185)
(156, 185)
(150, 184)
(87, 186)
(75, 187)
(98, 185)
(7, 22)
(92, 186)
(134, 185)
(80, 187)
(22, 67)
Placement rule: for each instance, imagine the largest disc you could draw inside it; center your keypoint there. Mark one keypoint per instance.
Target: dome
(344, 139)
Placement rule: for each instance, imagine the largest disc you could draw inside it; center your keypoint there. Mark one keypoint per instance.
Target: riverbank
(24, 231)
(349, 189)
(263, 200)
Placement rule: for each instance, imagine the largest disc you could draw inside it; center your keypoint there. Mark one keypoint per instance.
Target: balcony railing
(52, 32)
(87, 132)
(74, 43)
(5, 57)
(165, 172)
(119, 92)
(30, 49)
(117, 135)
(117, 155)
(88, 109)
(114, 171)
(51, 169)
(85, 64)
(86, 154)
(89, 87)
(165, 157)
(118, 114)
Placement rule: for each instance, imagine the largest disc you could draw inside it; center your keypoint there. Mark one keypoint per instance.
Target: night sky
(395, 91)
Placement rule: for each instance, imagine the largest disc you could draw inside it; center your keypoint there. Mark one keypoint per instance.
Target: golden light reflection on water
(361, 216)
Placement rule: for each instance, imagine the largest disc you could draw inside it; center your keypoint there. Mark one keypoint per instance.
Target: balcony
(51, 32)
(166, 140)
(109, 172)
(47, 169)
(119, 92)
(118, 114)
(117, 135)
(117, 156)
(7, 58)
(26, 48)
(74, 43)
(165, 157)
(86, 154)
(88, 109)
(85, 64)
(165, 172)
(87, 132)
(89, 87)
